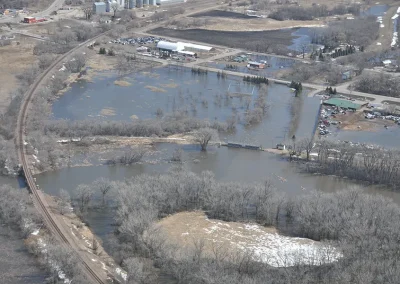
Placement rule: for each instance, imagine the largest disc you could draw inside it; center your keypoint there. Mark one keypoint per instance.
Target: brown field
(14, 60)
(232, 39)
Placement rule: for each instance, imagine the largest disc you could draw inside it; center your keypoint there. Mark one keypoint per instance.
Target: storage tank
(139, 3)
(145, 2)
(108, 6)
(158, 2)
(152, 2)
(132, 4)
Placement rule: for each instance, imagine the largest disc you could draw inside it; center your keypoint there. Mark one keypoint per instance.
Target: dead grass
(226, 24)
(108, 111)
(156, 89)
(171, 85)
(122, 83)
(14, 60)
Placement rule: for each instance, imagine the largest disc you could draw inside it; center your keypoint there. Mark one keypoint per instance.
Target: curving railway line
(97, 276)
(38, 199)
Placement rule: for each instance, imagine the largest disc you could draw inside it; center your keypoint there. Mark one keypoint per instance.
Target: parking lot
(137, 40)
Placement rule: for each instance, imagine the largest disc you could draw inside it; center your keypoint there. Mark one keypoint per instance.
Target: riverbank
(79, 233)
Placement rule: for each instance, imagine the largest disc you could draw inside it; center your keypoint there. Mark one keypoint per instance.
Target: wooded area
(364, 227)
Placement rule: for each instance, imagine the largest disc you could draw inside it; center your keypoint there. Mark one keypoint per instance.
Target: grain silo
(152, 2)
(139, 3)
(132, 4)
(145, 2)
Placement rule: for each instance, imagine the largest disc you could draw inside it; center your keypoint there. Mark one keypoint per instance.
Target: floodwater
(17, 265)
(388, 138)
(286, 116)
(376, 10)
(203, 96)
(276, 64)
(228, 164)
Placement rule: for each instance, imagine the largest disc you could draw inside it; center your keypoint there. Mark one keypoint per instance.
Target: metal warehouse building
(99, 8)
(182, 46)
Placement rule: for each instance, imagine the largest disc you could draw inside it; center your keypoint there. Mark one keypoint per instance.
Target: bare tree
(104, 186)
(77, 62)
(114, 7)
(64, 202)
(126, 64)
(306, 145)
(203, 136)
(87, 9)
(83, 194)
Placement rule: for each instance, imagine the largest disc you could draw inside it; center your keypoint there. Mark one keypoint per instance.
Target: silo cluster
(130, 4)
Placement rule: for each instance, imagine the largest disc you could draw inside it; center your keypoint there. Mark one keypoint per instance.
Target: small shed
(343, 103)
(99, 8)
(280, 146)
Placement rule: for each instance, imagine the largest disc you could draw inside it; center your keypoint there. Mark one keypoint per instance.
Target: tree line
(363, 227)
(379, 84)
(360, 162)
(18, 213)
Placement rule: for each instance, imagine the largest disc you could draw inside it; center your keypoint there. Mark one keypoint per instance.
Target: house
(255, 65)
(346, 75)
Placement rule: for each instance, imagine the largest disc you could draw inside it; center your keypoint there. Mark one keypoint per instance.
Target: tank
(145, 2)
(132, 4)
(139, 3)
(158, 2)
(108, 4)
(152, 2)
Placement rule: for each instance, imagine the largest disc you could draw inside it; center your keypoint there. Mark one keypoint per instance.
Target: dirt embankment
(82, 236)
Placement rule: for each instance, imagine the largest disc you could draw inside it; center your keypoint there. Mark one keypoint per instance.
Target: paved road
(57, 4)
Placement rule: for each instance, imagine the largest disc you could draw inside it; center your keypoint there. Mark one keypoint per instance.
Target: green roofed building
(343, 103)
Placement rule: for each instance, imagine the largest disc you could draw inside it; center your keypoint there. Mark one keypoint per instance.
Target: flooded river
(287, 115)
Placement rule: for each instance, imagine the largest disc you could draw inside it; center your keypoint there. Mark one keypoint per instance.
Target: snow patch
(121, 273)
(273, 248)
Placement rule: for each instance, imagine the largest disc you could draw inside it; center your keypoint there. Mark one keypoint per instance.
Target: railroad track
(38, 199)
(21, 149)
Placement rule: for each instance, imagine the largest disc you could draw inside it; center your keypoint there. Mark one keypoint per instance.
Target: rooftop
(343, 103)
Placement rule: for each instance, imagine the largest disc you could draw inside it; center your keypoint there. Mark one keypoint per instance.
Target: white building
(182, 46)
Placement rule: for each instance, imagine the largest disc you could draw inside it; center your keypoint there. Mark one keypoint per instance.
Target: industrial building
(99, 8)
(178, 47)
(344, 103)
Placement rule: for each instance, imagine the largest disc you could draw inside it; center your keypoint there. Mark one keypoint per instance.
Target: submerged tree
(204, 135)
